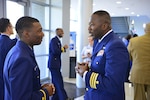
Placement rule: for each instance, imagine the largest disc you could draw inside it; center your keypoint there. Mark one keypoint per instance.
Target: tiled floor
(78, 93)
(74, 92)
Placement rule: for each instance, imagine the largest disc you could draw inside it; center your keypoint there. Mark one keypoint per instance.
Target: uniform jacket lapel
(102, 44)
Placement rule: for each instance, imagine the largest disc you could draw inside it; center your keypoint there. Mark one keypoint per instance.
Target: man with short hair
(21, 72)
(110, 60)
(54, 65)
(6, 44)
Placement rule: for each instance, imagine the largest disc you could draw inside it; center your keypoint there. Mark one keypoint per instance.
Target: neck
(26, 42)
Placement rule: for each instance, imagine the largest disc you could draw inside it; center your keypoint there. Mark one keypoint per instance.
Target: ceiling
(125, 8)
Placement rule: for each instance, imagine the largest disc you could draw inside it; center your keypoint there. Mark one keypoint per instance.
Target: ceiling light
(137, 15)
(126, 8)
(132, 13)
(118, 2)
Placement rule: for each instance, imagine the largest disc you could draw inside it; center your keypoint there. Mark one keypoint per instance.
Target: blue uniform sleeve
(116, 62)
(23, 83)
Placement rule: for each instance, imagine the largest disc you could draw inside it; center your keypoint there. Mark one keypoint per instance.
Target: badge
(100, 53)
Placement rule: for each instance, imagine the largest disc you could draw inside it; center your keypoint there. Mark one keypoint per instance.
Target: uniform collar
(5, 34)
(105, 35)
(58, 37)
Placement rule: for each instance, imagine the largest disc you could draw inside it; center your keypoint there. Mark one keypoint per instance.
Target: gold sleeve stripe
(96, 82)
(93, 81)
(62, 49)
(44, 94)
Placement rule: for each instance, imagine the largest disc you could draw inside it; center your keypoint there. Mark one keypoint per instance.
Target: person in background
(6, 44)
(54, 65)
(110, 59)
(135, 35)
(139, 48)
(21, 72)
(87, 51)
(126, 40)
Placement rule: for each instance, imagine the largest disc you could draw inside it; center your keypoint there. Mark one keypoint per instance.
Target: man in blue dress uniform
(110, 60)
(54, 65)
(21, 72)
(6, 44)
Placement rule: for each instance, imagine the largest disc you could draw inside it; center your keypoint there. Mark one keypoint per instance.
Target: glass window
(10, 8)
(43, 48)
(42, 63)
(56, 18)
(41, 13)
(43, 1)
(57, 3)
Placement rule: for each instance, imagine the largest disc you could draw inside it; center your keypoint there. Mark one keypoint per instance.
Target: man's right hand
(50, 88)
(65, 46)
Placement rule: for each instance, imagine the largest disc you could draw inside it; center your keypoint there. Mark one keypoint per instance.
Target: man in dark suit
(6, 44)
(110, 59)
(21, 72)
(54, 65)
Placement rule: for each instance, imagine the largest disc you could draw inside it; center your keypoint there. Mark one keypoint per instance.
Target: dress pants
(57, 80)
(141, 91)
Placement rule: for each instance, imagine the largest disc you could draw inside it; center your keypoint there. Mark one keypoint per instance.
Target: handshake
(49, 87)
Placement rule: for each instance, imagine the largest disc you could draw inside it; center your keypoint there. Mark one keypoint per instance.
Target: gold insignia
(93, 81)
(62, 49)
(44, 94)
(100, 53)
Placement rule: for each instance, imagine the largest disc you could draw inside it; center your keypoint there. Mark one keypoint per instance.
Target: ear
(105, 26)
(25, 34)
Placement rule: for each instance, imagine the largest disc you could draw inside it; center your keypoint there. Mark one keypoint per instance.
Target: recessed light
(118, 2)
(126, 8)
(132, 13)
(94, 4)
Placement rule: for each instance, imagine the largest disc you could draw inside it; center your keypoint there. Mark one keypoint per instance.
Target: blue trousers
(57, 80)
